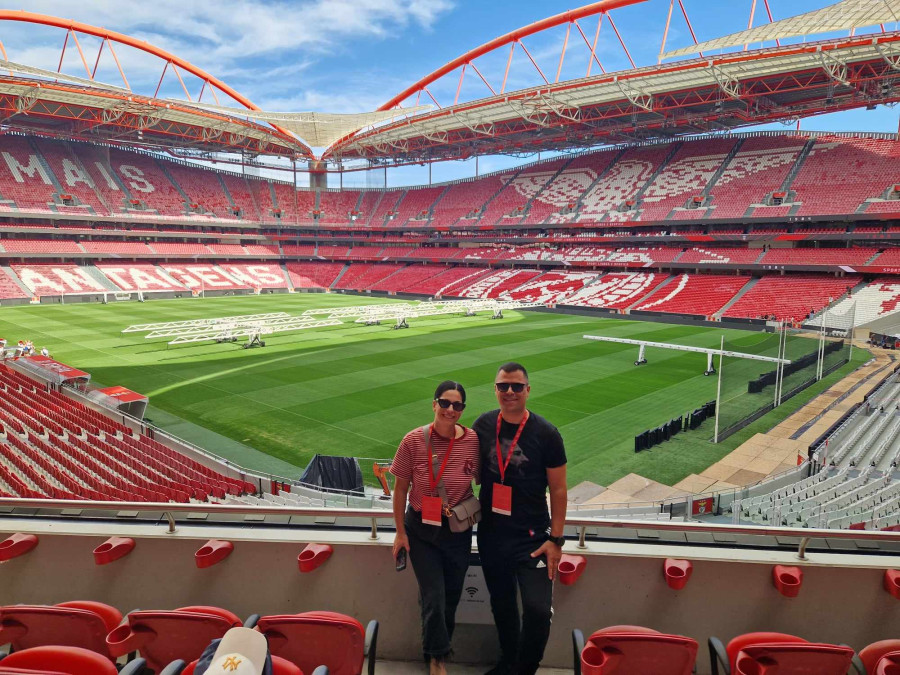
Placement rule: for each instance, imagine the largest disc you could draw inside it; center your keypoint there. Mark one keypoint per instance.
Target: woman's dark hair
(450, 385)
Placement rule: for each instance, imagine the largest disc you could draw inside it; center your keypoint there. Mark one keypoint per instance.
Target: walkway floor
(765, 455)
(762, 455)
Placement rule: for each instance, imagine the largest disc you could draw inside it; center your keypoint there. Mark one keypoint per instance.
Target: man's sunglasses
(517, 387)
(458, 406)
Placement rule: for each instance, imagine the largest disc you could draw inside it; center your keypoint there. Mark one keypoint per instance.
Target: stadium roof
(699, 95)
(840, 16)
(113, 115)
(696, 96)
(318, 129)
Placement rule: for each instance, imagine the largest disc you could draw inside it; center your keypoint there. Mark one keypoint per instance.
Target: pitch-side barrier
(169, 325)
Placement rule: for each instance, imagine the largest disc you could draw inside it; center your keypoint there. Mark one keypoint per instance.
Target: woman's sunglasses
(517, 387)
(458, 406)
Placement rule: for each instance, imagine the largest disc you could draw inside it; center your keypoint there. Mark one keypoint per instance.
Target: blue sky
(352, 55)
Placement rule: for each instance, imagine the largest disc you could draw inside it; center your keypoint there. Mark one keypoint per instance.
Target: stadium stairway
(737, 296)
(579, 204)
(230, 198)
(100, 278)
(537, 195)
(338, 277)
(7, 290)
(795, 169)
(638, 197)
(842, 305)
(46, 166)
(168, 174)
(651, 294)
(76, 160)
(714, 179)
(875, 257)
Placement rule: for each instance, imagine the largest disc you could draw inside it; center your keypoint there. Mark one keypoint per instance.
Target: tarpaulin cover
(334, 473)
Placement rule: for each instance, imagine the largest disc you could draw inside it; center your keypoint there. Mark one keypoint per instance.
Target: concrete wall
(842, 599)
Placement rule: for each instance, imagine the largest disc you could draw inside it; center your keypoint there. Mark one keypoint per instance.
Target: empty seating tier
(54, 446)
(313, 275)
(695, 294)
(336, 207)
(552, 287)
(406, 277)
(498, 283)
(818, 256)
(616, 290)
(757, 170)
(841, 173)
(791, 297)
(361, 276)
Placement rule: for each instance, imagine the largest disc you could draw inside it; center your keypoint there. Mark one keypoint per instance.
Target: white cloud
(266, 50)
(234, 29)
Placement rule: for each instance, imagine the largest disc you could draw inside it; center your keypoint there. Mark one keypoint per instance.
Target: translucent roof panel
(52, 75)
(318, 129)
(843, 15)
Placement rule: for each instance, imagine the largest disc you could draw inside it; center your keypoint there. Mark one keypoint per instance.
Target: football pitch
(356, 390)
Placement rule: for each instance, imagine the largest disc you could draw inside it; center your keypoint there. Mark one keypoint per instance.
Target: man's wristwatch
(559, 541)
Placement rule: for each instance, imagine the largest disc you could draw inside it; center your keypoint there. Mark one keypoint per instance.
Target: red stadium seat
(781, 648)
(60, 660)
(889, 664)
(793, 659)
(328, 638)
(633, 650)
(871, 655)
(83, 624)
(280, 666)
(165, 636)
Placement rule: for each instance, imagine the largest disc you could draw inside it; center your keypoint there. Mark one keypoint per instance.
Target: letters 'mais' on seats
(57, 279)
(140, 278)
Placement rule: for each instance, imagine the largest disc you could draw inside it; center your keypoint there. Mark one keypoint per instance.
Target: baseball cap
(242, 651)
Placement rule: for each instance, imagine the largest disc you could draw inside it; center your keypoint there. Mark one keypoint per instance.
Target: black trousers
(522, 640)
(439, 559)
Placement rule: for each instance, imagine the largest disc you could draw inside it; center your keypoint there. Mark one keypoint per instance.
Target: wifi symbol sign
(471, 590)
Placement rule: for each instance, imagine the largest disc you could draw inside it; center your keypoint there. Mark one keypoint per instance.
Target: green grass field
(356, 390)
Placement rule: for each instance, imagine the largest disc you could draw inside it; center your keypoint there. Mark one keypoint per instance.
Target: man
(520, 543)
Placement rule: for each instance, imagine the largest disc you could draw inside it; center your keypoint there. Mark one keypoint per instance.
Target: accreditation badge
(501, 500)
(432, 507)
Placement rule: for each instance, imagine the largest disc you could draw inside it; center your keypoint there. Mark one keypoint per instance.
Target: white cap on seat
(242, 651)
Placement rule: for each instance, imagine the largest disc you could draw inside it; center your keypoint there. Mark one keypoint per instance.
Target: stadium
(218, 322)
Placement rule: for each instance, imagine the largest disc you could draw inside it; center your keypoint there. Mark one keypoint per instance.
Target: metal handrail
(805, 534)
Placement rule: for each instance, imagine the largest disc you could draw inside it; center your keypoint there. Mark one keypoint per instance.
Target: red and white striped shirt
(411, 463)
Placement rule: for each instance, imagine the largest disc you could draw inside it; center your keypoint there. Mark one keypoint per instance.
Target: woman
(435, 466)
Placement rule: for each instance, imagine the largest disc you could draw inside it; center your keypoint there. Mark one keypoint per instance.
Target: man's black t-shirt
(540, 447)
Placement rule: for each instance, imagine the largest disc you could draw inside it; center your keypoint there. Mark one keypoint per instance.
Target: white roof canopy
(319, 130)
(53, 75)
(841, 16)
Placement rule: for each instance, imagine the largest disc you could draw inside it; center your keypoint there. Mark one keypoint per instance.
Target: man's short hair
(513, 367)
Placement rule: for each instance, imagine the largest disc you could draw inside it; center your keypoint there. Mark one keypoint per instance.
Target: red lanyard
(501, 465)
(431, 481)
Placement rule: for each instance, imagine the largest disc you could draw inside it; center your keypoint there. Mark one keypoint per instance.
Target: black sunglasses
(517, 387)
(458, 406)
